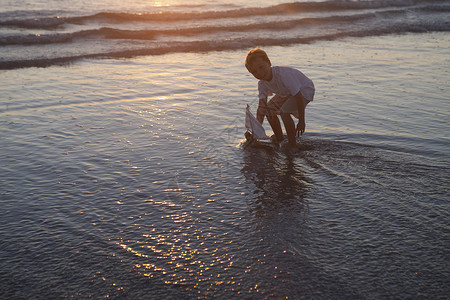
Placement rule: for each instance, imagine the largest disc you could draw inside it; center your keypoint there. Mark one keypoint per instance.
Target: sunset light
(224, 149)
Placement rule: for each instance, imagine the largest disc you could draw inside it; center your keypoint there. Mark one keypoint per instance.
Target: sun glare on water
(160, 4)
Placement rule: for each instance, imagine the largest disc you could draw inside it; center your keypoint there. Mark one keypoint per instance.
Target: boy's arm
(261, 111)
(301, 113)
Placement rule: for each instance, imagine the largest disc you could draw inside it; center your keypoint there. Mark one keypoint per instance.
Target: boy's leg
(290, 128)
(288, 108)
(276, 127)
(274, 110)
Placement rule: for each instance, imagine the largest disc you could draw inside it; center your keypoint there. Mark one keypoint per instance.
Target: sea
(124, 173)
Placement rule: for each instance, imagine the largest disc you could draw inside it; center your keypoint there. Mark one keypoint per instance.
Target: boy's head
(258, 63)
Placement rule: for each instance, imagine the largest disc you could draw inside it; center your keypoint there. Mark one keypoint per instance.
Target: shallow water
(126, 178)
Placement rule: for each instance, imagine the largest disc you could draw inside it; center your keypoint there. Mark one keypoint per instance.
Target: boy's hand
(262, 110)
(301, 104)
(301, 127)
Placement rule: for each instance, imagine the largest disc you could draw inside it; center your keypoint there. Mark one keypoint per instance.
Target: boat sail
(255, 128)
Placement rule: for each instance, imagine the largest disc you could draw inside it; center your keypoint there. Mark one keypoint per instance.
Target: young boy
(292, 89)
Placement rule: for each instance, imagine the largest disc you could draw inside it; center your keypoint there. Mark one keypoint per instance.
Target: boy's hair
(255, 53)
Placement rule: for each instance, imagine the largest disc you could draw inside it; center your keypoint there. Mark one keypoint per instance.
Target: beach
(126, 177)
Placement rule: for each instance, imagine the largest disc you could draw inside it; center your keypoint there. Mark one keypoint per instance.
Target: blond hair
(255, 53)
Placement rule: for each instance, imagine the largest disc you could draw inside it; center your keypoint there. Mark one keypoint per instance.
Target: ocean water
(123, 174)
(36, 33)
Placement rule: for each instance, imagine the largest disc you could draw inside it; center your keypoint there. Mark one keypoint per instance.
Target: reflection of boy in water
(292, 89)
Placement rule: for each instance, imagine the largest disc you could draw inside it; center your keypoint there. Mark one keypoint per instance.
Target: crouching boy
(292, 91)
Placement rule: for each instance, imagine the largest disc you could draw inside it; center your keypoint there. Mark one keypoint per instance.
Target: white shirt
(286, 82)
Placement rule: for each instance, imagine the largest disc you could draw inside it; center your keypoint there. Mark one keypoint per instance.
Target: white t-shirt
(286, 82)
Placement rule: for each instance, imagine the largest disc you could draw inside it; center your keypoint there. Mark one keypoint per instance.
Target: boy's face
(261, 69)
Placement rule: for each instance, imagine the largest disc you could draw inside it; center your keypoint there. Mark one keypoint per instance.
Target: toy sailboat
(255, 131)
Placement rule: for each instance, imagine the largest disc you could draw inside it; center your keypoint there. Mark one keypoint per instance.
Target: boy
(292, 89)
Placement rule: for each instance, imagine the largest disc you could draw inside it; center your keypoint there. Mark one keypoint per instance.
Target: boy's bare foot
(276, 140)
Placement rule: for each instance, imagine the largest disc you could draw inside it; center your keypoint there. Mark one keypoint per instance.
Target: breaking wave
(125, 34)
(168, 16)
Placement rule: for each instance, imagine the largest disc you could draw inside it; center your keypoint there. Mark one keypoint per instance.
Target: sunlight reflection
(160, 4)
(182, 259)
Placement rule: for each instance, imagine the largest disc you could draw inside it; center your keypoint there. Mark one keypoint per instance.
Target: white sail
(254, 126)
